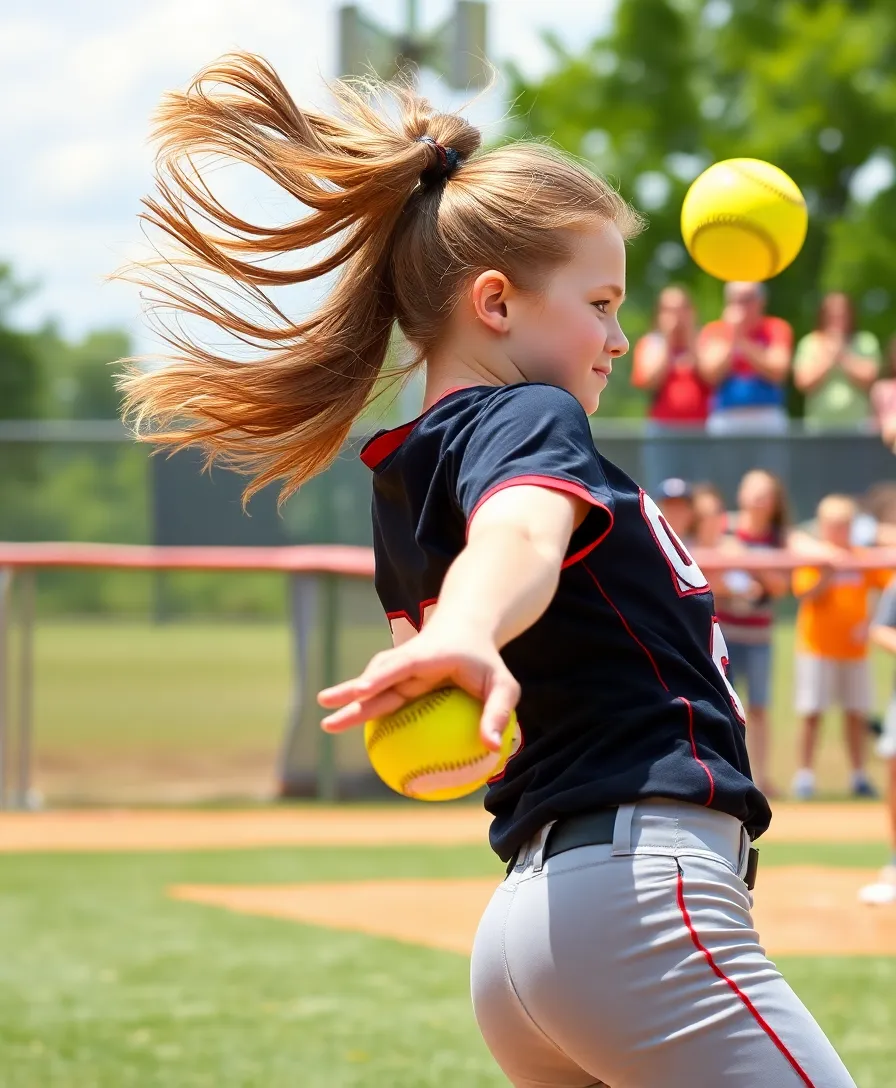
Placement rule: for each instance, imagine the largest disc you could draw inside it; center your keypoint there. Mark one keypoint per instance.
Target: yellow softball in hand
(431, 749)
(744, 219)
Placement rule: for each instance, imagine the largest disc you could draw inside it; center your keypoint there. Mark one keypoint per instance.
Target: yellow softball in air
(744, 219)
(431, 750)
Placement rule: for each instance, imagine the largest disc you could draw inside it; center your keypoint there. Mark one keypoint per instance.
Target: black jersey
(624, 693)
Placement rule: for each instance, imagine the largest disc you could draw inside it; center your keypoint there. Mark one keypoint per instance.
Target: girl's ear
(489, 295)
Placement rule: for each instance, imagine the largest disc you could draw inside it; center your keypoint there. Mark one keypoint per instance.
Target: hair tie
(449, 160)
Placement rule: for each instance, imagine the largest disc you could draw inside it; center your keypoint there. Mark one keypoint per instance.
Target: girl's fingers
(384, 671)
(502, 698)
(358, 712)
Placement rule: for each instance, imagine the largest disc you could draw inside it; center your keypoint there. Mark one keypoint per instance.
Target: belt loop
(744, 860)
(622, 830)
(541, 843)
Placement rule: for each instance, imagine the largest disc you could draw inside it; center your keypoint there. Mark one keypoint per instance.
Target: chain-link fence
(175, 686)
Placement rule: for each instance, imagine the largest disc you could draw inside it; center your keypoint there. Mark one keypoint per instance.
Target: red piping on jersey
(381, 445)
(418, 623)
(624, 623)
(553, 483)
(500, 774)
(748, 1004)
(712, 783)
(743, 621)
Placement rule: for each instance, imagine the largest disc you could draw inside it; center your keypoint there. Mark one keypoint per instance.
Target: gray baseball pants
(636, 965)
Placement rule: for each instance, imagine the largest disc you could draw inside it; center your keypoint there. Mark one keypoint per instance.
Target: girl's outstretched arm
(499, 585)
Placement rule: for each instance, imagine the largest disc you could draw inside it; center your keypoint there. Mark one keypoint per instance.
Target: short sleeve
(867, 345)
(535, 435)
(713, 331)
(805, 579)
(885, 616)
(779, 332)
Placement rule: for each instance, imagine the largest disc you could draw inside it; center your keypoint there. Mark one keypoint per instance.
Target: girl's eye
(602, 305)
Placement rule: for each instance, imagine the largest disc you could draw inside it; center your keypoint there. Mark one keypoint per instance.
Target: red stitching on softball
(745, 172)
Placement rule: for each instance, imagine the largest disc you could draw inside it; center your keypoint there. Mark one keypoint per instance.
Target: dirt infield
(799, 910)
(349, 825)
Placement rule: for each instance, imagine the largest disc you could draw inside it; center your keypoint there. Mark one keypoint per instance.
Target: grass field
(185, 710)
(106, 983)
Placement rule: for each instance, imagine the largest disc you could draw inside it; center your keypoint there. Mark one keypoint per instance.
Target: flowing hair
(403, 244)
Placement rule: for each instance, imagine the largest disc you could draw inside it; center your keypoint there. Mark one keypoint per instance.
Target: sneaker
(863, 787)
(878, 895)
(803, 785)
(883, 891)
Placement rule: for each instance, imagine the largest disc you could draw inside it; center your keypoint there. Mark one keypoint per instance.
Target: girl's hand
(432, 659)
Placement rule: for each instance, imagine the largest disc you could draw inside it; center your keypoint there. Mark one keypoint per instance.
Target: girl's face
(758, 494)
(674, 312)
(568, 333)
(710, 517)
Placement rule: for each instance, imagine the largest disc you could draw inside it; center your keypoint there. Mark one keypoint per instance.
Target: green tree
(20, 371)
(79, 376)
(678, 84)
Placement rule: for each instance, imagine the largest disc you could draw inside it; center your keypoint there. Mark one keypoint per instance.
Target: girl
(746, 611)
(836, 364)
(620, 948)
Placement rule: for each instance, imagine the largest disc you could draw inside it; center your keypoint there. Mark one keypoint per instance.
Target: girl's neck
(447, 369)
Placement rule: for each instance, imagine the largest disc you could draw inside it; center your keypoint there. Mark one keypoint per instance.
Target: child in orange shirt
(832, 646)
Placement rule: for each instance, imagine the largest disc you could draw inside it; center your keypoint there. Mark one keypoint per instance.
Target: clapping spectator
(665, 365)
(746, 357)
(836, 364)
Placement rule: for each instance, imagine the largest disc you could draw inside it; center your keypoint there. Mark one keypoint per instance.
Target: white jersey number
(719, 651)
(688, 579)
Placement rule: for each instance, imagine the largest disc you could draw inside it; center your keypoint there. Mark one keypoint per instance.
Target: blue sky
(79, 82)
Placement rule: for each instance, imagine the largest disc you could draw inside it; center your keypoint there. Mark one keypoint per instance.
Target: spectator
(873, 526)
(675, 499)
(832, 645)
(745, 356)
(883, 634)
(709, 515)
(745, 607)
(883, 398)
(665, 365)
(836, 364)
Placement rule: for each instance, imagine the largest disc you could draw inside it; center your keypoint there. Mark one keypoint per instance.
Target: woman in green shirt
(835, 365)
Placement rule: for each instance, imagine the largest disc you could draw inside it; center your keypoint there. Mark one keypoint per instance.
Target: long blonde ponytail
(403, 247)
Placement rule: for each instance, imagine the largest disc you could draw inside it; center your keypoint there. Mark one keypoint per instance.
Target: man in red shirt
(746, 358)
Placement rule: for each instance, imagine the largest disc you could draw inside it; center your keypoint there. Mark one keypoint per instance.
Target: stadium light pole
(455, 50)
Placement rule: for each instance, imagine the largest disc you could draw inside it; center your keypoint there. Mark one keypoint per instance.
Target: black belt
(597, 829)
(586, 829)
